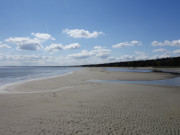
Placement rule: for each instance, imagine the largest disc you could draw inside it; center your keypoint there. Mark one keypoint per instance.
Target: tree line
(163, 62)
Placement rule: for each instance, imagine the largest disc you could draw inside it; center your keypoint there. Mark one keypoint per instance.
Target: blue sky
(73, 32)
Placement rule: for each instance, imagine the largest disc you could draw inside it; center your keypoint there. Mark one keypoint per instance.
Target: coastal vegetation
(163, 62)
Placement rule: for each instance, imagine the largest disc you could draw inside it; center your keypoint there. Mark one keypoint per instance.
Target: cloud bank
(177, 52)
(99, 54)
(167, 43)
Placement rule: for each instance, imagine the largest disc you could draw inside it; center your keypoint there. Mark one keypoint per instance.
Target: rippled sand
(76, 106)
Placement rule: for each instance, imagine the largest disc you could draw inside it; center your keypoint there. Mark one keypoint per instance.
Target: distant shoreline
(158, 63)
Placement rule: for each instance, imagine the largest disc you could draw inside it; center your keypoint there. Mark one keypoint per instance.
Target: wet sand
(72, 105)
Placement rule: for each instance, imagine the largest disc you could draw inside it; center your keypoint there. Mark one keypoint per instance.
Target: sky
(76, 32)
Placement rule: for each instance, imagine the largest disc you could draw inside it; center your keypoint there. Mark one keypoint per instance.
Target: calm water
(171, 82)
(129, 70)
(143, 70)
(18, 74)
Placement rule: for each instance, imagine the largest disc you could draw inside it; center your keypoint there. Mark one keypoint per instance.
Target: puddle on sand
(129, 70)
(171, 82)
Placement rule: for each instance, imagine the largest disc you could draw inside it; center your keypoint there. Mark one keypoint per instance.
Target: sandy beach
(72, 105)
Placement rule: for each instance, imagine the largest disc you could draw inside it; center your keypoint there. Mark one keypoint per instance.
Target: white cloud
(126, 44)
(43, 36)
(102, 55)
(160, 50)
(100, 52)
(176, 52)
(134, 42)
(112, 59)
(82, 55)
(120, 45)
(97, 55)
(20, 57)
(98, 47)
(72, 46)
(57, 47)
(4, 45)
(126, 58)
(25, 43)
(81, 33)
(167, 43)
(6, 60)
(97, 52)
(54, 47)
(141, 55)
(164, 51)
(159, 56)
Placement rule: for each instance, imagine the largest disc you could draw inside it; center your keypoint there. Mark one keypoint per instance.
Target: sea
(15, 74)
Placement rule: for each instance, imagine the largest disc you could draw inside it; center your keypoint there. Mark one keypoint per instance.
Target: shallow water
(17, 74)
(129, 70)
(170, 82)
(167, 70)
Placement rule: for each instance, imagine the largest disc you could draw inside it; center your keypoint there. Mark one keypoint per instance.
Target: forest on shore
(163, 62)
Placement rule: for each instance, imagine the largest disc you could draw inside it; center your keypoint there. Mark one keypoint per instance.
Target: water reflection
(129, 70)
(170, 71)
(171, 82)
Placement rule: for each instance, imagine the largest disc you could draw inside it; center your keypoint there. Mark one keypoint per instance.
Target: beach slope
(73, 105)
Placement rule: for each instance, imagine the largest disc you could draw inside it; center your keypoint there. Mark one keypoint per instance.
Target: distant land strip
(163, 62)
